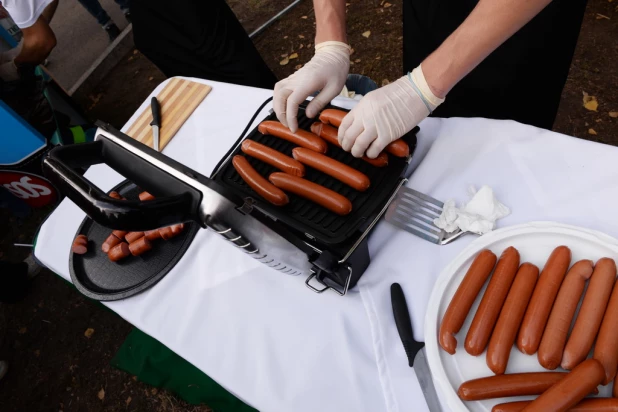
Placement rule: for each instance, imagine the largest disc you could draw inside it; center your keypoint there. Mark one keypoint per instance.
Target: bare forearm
(490, 24)
(330, 20)
(39, 40)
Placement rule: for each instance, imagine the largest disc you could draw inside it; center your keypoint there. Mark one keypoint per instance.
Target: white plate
(534, 241)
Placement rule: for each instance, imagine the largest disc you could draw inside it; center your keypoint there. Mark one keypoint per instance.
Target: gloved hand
(8, 70)
(327, 71)
(386, 114)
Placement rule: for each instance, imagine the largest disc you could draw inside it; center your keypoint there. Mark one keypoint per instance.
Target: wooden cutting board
(178, 100)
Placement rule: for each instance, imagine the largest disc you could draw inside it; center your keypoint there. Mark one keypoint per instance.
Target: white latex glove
(8, 70)
(327, 71)
(386, 114)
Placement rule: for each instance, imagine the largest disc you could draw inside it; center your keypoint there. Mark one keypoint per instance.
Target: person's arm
(489, 25)
(50, 10)
(38, 42)
(330, 21)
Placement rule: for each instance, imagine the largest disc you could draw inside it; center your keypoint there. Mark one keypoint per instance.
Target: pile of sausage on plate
(312, 153)
(535, 313)
(121, 244)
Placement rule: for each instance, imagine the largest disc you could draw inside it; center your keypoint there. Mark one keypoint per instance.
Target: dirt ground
(55, 367)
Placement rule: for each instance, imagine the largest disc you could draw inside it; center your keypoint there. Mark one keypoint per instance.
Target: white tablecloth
(280, 347)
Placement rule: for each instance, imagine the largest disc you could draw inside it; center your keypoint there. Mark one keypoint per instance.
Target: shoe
(4, 367)
(112, 31)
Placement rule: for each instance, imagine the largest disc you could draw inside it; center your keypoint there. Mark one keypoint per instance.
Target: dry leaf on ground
(357, 61)
(592, 131)
(387, 5)
(89, 333)
(613, 114)
(298, 66)
(300, 36)
(128, 401)
(101, 394)
(284, 61)
(367, 34)
(293, 56)
(385, 82)
(590, 102)
(303, 17)
(602, 16)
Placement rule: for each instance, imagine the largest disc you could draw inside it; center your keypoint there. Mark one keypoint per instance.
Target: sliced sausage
(145, 196)
(559, 322)
(398, 148)
(177, 229)
(514, 384)
(606, 346)
(258, 183)
(586, 405)
(109, 243)
(120, 251)
(115, 195)
(590, 314)
(493, 300)
(332, 116)
(329, 133)
(512, 313)
(80, 245)
(573, 388)
(333, 168)
(171, 231)
(120, 234)
(615, 388)
(133, 236)
(152, 234)
(543, 297)
(274, 158)
(140, 246)
(464, 297)
(301, 138)
(320, 195)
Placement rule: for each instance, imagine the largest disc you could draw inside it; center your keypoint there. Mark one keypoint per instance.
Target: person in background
(97, 11)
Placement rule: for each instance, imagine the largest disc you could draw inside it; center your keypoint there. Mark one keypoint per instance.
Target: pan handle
(175, 200)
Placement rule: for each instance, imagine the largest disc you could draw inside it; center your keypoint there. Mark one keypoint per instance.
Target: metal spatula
(414, 212)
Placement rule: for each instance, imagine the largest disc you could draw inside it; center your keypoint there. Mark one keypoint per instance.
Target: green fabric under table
(153, 363)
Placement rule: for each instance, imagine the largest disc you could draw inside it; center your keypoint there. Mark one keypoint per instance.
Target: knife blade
(415, 351)
(156, 122)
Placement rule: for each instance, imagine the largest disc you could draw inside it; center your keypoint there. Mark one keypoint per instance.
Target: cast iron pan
(94, 275)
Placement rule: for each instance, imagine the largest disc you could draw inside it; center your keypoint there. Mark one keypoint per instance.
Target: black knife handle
(155, 107)
(404, 325)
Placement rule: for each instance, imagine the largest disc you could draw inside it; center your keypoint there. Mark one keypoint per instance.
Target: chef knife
(156, 122)
(415, 351)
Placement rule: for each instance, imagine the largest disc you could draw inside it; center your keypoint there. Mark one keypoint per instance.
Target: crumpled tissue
(479, 215)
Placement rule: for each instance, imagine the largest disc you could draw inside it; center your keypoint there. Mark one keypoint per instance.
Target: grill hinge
(247, 207)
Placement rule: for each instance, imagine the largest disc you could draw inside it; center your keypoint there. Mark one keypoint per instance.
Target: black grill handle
(174, 202)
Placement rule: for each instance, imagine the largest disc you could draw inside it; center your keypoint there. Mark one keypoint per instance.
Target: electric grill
(301, 238)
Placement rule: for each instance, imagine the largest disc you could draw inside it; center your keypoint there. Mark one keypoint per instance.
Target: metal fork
(414, 212)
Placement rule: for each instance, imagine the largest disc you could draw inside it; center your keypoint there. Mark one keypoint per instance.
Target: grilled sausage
(586, 405)
(171, 231)
(542, 300)
(152, 234)
(464, 297)
(512, 313)
(80, 245)
(301, 138)
(140, 246)
(333, 168)
(615, 388)
(258, 183)
(274, 158)
(120, 251)
(120, 234)
(606, 346)
(145, 196)
(115, 195)
(109, 243)
(573, 388)
(557, 329)
(329, 133)
(177, 229)
(590, 314)
(332, 116)
(312, 191)
(514, 384)
(493, 299)
(133, 236)
(398, 148)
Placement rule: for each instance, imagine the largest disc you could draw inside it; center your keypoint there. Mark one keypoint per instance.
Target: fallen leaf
(130, 58)
(293, 56)
(351, 52)
(298, 66)
(301, 46)
(613, 114)
(385, 82)
(598, 120)
(357, 61)
(602, 16)
(351, 63)
(378, 58)
(592, 132)
(347, 4)
(285, 37)
(308, 45)
(101, 394)
(284, 61)
(367, 34)
(388, 23)
(128, 401)
(387, 5)
(303, 17)
(89, 332)
(153, 391)
(590, 102)
(150, 78)
(300, 36)
(382, 2)
(23, 330)
(284, 55)
(586, 124)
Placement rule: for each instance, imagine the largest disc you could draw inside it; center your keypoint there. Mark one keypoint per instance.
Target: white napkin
(479, 215)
